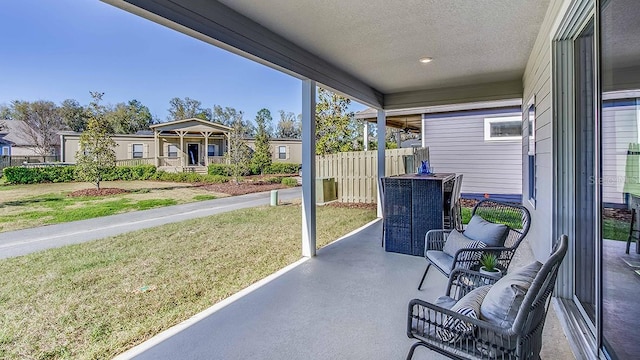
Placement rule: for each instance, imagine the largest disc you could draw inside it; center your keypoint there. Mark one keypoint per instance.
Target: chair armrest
(486, 341)
(428, 315)
(462, 281)
(468, 258)
(435, 239)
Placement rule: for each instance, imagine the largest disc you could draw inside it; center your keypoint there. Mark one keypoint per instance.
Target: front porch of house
(189, 145)
(348, 302)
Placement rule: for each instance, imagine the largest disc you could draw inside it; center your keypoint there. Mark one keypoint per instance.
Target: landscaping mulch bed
(98, 192)
(233, 189)
(351, 205)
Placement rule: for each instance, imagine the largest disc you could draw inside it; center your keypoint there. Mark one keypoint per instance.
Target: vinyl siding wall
(537, 82)
(457, 145)
(619, 129)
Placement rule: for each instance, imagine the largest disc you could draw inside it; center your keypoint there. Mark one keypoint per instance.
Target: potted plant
(489, 264)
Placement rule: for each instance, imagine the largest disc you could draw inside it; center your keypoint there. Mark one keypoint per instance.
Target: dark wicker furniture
(453, 214)
(523, 340)
(517, 219)
(412, 206)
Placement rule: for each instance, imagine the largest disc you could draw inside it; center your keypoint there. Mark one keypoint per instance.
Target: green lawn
(97, 299)
(611, 229)
(25, 206)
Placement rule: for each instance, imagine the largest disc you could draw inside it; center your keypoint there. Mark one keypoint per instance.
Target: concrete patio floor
(348, 302)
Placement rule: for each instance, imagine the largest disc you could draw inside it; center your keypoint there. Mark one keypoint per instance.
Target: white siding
(537, 81)
(619, 129)
(457, 145)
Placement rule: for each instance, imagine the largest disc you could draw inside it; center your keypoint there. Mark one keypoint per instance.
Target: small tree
(96, 154)
(261, 158)
(238, 155)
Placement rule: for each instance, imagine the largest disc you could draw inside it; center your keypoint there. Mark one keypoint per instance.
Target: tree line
(336, 128)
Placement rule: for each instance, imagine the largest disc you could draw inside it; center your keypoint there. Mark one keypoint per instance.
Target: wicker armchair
(523, 340)
(515, 217)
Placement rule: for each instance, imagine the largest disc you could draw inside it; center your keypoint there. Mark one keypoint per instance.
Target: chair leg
(630, 238)
(413, 349)
(424, 275)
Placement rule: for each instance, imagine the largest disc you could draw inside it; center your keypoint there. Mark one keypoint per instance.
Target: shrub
(36, 175)
(189, 177)
(289, 181)
(283, 168)
(219, 169)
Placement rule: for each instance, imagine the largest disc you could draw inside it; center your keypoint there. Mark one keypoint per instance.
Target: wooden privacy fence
(356, 173)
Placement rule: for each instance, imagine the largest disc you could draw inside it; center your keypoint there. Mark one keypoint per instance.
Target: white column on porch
(382, 129)
(183, 153)
(365, 135)
(308, 168)
(206, 135)
(399, 138)
(156, 145)
(424, 131)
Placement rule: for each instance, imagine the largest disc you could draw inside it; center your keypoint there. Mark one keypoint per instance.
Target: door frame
(197, 157)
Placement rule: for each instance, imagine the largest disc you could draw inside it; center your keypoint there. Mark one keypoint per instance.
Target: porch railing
(169, 161)
(135, 162)
(217, 160)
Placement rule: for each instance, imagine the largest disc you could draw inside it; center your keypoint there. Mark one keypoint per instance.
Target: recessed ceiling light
(426, 60)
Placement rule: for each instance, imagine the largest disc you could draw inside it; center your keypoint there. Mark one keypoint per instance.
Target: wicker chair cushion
(456, 241)
(441, 260)
(485, 231)
(445, 302)
(503, 301)
(469, 305)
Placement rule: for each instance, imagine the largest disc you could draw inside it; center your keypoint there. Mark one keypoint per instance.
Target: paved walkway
(22, 242)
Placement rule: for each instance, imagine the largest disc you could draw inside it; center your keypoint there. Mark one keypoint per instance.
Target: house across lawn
(178, 145)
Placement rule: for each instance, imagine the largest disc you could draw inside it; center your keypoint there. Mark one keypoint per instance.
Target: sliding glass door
(620, 164)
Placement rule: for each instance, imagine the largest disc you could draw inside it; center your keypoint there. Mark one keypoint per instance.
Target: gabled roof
(16, 133)
(175, 124)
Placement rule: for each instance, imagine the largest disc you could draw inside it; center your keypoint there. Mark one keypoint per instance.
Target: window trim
(209, 153)
(282, 155)
(502, 119)
(7, 149)
(133, 151)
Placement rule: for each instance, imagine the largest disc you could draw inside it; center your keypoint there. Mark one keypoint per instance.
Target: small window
(211, 150)
(137, 151)
(503, 128)
(282, 152)
(173, 151)
(5, 150)
(529, 120)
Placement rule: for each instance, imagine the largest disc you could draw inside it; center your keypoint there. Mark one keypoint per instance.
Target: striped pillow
(456, 241)
(454, 328)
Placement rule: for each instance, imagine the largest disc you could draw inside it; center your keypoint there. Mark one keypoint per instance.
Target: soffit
(380, 41)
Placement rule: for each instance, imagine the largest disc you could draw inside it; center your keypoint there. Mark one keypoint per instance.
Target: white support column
(399, 138)
(156, 145)
(365, 136)
(308, 168)
(382, 129)
(183, 152)
(424, 131)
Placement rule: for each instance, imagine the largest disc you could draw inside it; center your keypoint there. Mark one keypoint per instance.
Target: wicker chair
(517, 219)
(523, 340)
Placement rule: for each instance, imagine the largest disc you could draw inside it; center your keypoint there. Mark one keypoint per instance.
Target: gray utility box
(325, 190)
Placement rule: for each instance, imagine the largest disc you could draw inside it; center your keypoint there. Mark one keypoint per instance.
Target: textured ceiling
(380, 41)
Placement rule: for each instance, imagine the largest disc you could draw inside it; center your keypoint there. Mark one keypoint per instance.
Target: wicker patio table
(413, 205)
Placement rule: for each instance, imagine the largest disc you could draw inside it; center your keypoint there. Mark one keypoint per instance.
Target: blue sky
(55, 50)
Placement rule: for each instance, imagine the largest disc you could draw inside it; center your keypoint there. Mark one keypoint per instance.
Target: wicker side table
(413, 205)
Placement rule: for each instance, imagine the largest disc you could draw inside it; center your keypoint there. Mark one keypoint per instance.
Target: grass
(25, 206)
(612, 229)
(97, 299)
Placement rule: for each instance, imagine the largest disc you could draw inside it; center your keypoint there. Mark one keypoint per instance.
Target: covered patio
(349, 302)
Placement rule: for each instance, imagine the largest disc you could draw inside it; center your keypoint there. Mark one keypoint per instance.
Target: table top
(436, 176)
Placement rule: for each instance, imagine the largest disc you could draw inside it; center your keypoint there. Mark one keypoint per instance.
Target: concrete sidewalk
(22, 242)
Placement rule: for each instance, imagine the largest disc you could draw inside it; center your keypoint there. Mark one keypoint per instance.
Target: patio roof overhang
(370, 51)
